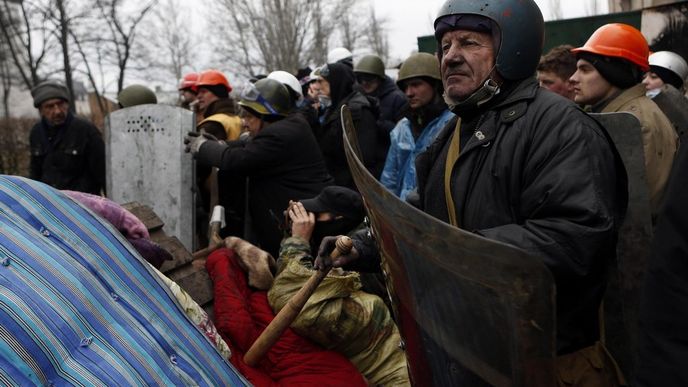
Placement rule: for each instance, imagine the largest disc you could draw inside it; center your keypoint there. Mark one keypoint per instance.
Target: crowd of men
(486, 135)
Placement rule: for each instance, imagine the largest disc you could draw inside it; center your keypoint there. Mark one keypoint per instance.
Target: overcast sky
(408, 19)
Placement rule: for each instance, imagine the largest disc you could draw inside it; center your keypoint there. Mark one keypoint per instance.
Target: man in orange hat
(187, 95)
(219, 112)
(608, 78)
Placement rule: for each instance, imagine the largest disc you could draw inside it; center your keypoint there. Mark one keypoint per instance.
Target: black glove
(194, 140)
(324, 263)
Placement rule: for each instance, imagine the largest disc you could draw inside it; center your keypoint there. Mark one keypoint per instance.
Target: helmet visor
(251, 93)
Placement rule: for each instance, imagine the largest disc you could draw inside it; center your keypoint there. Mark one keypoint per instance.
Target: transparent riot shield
(471, 311)
(146, 163)
(622, 299)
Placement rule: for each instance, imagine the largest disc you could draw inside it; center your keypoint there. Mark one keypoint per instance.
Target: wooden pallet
(194, 281)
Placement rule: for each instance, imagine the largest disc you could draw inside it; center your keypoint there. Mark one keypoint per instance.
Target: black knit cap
(667, 76)
(340, 201)
(219, 90)
(617, 71)
(48, 90)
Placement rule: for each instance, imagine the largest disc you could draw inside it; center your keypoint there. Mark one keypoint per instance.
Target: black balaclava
(340, 226)
(219, 90)
(668, 76)
(619, 72)
(341, 78)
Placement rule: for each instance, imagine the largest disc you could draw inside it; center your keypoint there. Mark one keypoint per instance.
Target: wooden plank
(196, 282)
(145, 214)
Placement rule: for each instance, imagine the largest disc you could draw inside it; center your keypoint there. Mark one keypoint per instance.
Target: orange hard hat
(188, 81)
(211, 78)
(618, 40)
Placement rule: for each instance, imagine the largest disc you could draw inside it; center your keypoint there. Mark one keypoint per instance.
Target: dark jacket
(393, 105)
(364, 112)
(663, 341)
(537, 173)
(70, 156)
(282, 163)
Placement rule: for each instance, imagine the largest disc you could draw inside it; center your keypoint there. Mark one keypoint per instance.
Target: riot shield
(146, 163)
(471, 311)
(674, 105)
(622, 299)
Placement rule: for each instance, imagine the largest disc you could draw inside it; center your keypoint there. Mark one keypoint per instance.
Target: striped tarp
(78, 306)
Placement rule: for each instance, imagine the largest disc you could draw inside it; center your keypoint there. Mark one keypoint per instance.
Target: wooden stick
(291, 310)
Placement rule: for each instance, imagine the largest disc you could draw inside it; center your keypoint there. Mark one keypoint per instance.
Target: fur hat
(48, 90)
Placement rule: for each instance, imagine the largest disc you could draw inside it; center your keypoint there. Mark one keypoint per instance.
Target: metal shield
(471, 311)
(674, 105)
(146, 163)
(622, 299)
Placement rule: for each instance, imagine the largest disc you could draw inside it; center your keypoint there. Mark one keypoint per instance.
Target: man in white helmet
(300, 104)
(341, 55)
(665, 84)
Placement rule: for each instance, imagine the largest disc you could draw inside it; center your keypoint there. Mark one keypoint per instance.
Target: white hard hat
(287, 80)
(337, 54)
(670, 61)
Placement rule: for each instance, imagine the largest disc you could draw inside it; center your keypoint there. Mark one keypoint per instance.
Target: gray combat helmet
(136, 95)
(370, 64)
(522, 32)
(267, 97)
(417, 65)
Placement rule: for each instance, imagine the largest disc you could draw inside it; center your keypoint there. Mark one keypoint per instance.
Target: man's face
(552, 82)
(369, 83)
(205, 98)
(313, 90)
(187, 96)
(251, 123)
(589, 86)
(54, 111)
(652, 81)
(467, 60)
(324, 86)
(418, 92)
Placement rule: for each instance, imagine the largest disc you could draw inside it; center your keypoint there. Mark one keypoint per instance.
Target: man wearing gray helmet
(526, 167)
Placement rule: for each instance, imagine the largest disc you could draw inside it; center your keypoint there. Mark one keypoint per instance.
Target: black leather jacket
(537, 173)
(70, 156)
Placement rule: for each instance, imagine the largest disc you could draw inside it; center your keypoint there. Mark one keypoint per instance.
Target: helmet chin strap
(484, 94)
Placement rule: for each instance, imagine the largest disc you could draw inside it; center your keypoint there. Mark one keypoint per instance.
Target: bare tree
(376, 35)
(123, 31)
(27, 38)
(169, 42)
(5, 74)
(61, 21)
(350, 27)
(268, 35)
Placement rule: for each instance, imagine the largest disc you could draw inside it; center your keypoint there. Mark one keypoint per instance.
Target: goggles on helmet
(250, 93)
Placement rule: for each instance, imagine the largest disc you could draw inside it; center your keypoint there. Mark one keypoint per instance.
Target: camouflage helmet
(136, 95)
(266, 97)
(420, 64)
(521, 31)
(370, 64)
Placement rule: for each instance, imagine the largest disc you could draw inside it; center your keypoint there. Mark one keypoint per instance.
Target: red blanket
(241, 314)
